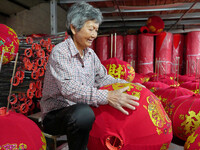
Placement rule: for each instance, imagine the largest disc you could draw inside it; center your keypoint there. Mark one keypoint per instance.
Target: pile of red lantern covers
(19, 132)
(9, 43)
(148, 127)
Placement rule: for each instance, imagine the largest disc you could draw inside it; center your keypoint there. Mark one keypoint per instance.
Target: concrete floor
(176, 144)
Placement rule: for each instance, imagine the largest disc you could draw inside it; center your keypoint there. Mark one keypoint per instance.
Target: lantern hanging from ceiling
(119, 69)
(19, 132)
(9, 43)
(148, 127)
(155, 24)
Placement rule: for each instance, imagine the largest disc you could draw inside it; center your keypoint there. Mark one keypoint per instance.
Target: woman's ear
(73, 29)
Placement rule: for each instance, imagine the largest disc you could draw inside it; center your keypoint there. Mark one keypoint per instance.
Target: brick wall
(36, 20)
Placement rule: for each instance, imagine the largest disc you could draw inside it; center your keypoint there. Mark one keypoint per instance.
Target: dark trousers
(74, 121)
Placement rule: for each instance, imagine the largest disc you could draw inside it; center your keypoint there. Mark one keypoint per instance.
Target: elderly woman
(72, 80)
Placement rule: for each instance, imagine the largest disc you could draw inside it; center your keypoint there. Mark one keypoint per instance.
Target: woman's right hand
(118, 100)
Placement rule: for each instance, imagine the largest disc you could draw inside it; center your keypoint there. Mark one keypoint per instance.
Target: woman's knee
(84, 116)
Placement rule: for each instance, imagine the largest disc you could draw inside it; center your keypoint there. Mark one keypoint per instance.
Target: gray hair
(81, 12)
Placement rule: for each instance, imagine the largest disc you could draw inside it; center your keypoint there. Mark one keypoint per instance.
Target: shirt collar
(73, 49)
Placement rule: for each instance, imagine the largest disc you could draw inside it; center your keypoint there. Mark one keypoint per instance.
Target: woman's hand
(118, 100)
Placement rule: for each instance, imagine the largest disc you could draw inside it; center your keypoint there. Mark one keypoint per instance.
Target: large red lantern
(146, 128)
(155, 85)
(155, 24)
(167, 94)
(119, 69)
(9, 43)
(192, 142)
(20, 133)
(184, 112)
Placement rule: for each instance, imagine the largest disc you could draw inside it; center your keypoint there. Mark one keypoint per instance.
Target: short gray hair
(81, 12)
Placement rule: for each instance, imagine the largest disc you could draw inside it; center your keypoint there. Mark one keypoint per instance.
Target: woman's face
(86, 35)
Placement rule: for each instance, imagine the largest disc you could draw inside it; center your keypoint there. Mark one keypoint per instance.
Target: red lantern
(184, 112)
(192, 142)
(191, 85)
(155, 85)
(167, 94)
(9, 43)
(148, 127)
(19, 132)
(155, 24)
(119, 69)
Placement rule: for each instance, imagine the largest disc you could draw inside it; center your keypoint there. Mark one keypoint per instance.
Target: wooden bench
(51, 139)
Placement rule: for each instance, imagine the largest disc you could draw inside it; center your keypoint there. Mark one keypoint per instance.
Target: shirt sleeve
(71, 89)
(102, 78)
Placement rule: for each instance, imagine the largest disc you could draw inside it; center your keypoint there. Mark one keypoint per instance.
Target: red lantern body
(155, 85)
(146, 128)
(155, 24)
(8, 42)
(184, 112)
(192, 142)
(167, 94)
(19, 132)
(119, 69)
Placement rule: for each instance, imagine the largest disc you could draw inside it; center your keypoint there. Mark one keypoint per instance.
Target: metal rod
(1, 59)
(16, 58)
(182, 16)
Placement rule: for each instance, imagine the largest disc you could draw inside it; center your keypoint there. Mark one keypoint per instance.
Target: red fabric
(155, 85)
(167, 94)
(9, 43)
(164, 79)
(184, 112)
(140, 78)
(185, 78)
(130, 49)
(155, 24)
(145, 53)
(119, 69)
(177, 51)
(191, 85)
(192, 142)
(93, 46)
(17, 129)
(193, 52)
(163, 52)
(146, 128)
(102, 47)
